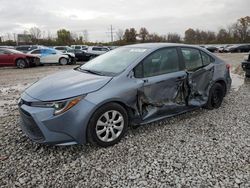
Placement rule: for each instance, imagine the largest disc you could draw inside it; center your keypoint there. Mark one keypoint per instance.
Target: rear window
(192, 58)
(22, 48)
(206, 58)
(77, 47)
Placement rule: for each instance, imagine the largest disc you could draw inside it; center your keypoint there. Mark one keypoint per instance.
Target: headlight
(59, 106)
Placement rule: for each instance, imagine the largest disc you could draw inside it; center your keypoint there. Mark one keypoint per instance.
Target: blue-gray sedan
(130, 85)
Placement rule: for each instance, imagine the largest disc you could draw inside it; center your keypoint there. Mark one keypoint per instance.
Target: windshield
(114, 62)
(15, 51)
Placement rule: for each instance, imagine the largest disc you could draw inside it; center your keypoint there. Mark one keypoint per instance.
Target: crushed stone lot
(198, 149)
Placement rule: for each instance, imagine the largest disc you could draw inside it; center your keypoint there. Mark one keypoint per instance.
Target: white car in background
(94, 51)
(80, 47)
(49, 55)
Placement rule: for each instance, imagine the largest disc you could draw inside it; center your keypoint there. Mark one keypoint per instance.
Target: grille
(29, 126)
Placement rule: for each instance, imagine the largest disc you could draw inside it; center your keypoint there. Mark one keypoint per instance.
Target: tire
(103, 121)
(215, 98)
(63, 61)
(21, 63)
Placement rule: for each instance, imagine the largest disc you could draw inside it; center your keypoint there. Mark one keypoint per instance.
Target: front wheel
(215, 98)
(21, 63)
(63, 61)
(108, 125)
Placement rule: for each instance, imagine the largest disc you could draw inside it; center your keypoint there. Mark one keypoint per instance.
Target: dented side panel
(163, 94)
(199, 83)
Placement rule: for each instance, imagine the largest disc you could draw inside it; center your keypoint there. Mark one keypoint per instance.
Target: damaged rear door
(200, 70)
(164, 91)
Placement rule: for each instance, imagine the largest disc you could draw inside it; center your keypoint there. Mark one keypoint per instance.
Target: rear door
(163, 91)
(50, 56)
(200, 70)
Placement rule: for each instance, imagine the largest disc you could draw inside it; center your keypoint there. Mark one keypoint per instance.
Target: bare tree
(143, 34)
(173, 37)
(120, 34)
(35, 33)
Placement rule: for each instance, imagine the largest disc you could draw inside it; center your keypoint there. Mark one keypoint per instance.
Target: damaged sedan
(131, 85)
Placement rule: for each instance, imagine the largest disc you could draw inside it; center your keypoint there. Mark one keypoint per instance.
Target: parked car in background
(79, 54)
(246, 65)
(238, 48)
(80, 47)
(224, 48)
(212, 48)
(49, 55)
(26, 48)
(134, 84)
(11, 57)
(63, 49)
(8, 47)
(112, 47)
(94, 51)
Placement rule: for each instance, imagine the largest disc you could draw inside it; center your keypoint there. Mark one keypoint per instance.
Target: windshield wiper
(90, 71)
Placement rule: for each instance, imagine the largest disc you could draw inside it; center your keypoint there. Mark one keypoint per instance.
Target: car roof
(158, 45)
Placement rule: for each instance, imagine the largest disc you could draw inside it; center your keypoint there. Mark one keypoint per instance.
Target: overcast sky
(96, 16)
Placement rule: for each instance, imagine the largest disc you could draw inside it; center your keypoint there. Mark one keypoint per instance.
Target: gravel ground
(198, 149)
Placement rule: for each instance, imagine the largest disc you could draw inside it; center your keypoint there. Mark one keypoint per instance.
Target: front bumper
(40, 125)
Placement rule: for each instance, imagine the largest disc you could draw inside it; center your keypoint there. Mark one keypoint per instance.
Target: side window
(206, 58)
(36, 52)
(96, 49)
(162, 61)
(1, 52)
(192, 58)
(104, 49)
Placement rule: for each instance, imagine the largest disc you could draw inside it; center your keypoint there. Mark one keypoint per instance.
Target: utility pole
(111, 32)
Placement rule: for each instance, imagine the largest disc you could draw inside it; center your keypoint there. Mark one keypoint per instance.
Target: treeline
(238, 32)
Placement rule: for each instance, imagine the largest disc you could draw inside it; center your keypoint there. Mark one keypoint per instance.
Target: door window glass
(206, 58)
(192, 58)
(162, 61)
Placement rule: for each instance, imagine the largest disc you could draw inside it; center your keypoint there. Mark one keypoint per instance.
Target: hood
(66, 84)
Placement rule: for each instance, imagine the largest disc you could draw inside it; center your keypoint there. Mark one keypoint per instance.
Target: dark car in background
(80, 55)
(26, 48)
(239, 48)
(10, 57)
(212, 49)
(130, 85)
(246, 65)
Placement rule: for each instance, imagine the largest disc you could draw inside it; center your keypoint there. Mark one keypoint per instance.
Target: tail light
(228, 66)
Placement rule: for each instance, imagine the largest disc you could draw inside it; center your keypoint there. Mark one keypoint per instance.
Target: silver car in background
(131, 85)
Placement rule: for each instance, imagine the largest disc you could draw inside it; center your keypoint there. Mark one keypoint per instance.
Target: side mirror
(131, 74)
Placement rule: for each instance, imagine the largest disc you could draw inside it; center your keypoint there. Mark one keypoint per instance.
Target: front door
(164, 90)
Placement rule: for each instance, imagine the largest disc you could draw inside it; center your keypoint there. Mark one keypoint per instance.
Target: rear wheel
(63, 61)
(108, 125)
(21, 63)
(215, 97)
